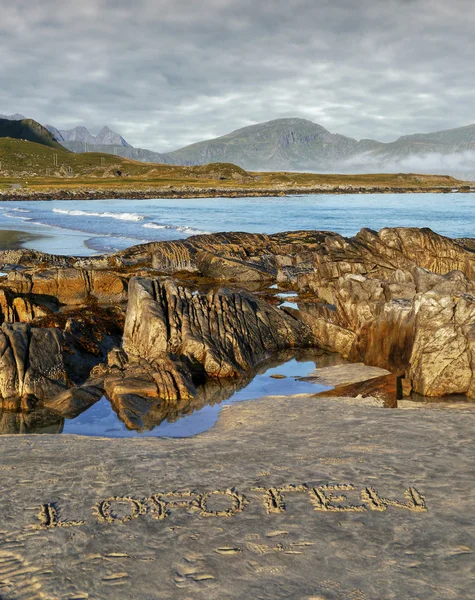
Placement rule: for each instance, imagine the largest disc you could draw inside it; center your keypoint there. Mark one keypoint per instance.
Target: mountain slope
(448, 141)
(28, 130)
(282, 144)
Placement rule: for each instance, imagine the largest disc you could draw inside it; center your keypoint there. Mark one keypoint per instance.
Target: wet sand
(285, 497)
(12, 240)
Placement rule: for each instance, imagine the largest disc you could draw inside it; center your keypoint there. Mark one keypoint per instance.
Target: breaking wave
(108, 215)
(181, 228)
(10, 216)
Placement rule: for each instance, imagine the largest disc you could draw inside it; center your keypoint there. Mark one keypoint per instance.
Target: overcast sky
(165, 73)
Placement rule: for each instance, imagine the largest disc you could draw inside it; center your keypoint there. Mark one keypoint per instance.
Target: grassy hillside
(28, 130)
(21, 160)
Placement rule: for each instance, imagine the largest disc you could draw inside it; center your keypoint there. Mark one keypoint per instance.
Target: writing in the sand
(323, 498)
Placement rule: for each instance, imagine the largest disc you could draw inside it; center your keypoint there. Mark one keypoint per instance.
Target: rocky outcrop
(219, 334)
(31, 364)
(424, 329)
(401, 299)
(70, 286)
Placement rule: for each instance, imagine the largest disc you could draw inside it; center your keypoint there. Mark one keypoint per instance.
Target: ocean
(86, 227)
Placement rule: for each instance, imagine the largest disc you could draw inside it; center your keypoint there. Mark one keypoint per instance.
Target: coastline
(14, 239)
(188, 192)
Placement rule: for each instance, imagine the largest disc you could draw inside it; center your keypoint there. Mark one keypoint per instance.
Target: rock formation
(31, 364)
(155, 325)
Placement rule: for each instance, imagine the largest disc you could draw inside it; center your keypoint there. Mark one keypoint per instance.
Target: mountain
(15, 117)
(301, 145)
(106, 137)
(29, 130)
(295, 144)
(448, 141)
(282, 144)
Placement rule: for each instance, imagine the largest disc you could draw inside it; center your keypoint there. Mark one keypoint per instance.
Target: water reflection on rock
(37, 421)
(182, 417)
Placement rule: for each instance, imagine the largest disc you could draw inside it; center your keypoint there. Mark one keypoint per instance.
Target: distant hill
(295, 144)
(105, 137)
(301, 145)
(447, 141)
(139, 154)
(283, 144)
(29, 130)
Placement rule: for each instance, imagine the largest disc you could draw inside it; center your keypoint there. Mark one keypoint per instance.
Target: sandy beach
(12, 240)
(286, 497)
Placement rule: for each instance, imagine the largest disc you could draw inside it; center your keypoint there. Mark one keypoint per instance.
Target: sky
(166, 73)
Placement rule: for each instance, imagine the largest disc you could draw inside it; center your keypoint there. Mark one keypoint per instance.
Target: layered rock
(424, 329)
(443, 354)
(398, 298)
(31, 364)
(18, 308)
(70, 286)
(220, 334)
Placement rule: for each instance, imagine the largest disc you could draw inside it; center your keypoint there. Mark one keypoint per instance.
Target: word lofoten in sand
(323, 498)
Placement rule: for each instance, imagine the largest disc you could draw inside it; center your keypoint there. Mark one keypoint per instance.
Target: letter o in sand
(239, 502)
(103, 510)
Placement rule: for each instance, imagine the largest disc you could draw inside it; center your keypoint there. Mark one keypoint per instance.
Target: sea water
(85, 227)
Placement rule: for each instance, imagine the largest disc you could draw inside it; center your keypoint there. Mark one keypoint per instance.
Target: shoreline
(15, 239)
(25, 195)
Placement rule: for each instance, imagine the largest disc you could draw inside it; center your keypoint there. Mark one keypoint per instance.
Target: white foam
(107, 215)
(10, 216)
(182, 228)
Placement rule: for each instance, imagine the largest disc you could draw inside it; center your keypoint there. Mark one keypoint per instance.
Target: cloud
(458, 164)
(165, 73)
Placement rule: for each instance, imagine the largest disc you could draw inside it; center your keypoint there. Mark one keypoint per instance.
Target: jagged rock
(31, 362)
(443, 355)
(330, 336)
(220, 334)
(69, 285)
(19, 309)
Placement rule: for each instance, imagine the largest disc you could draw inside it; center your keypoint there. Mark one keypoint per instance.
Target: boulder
(31, 362)
(443, 354)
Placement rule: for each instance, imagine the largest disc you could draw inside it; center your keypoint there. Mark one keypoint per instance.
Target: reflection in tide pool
(101, 420)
